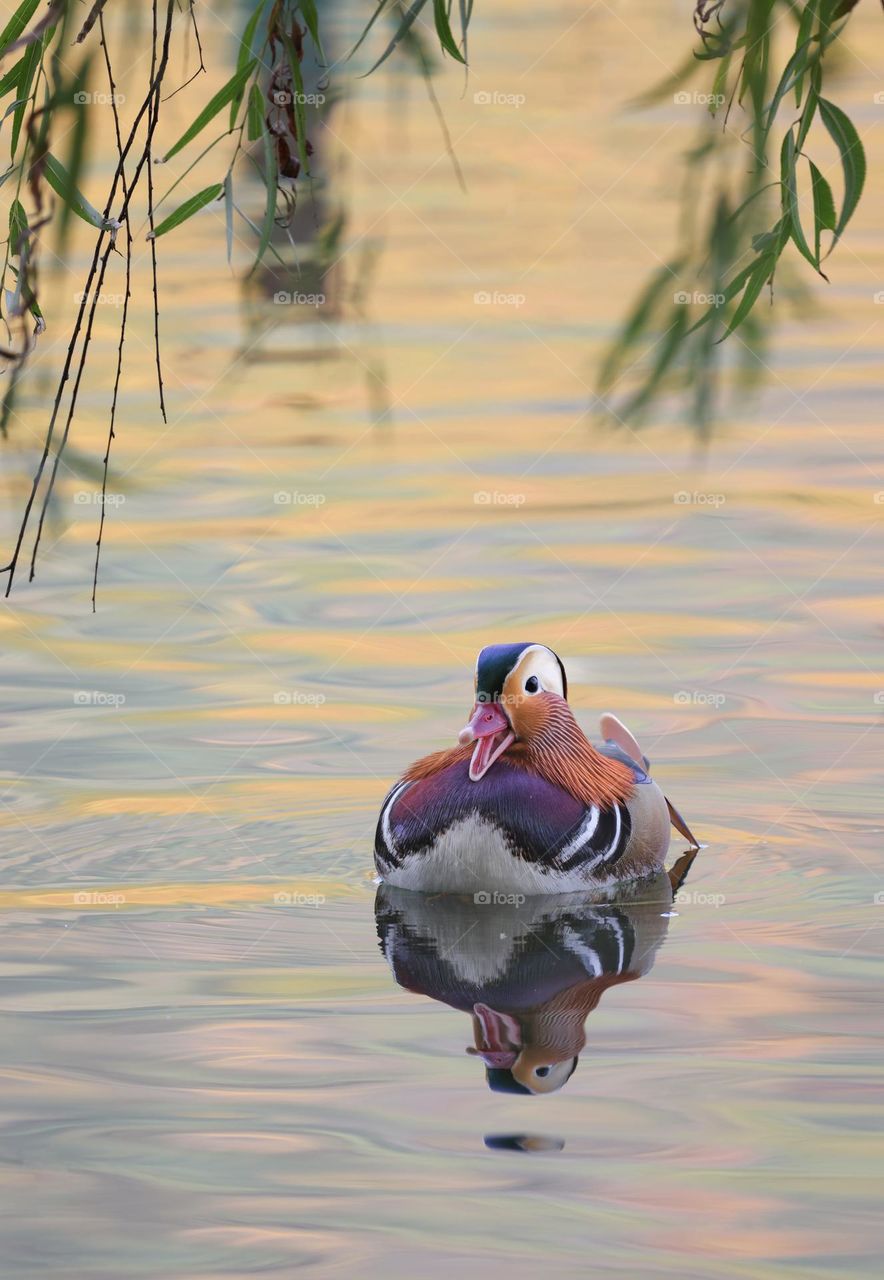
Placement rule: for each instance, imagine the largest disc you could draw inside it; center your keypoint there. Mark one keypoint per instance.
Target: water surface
(204, 1078)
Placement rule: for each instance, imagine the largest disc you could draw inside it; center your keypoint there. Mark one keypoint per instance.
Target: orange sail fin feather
(559, 751)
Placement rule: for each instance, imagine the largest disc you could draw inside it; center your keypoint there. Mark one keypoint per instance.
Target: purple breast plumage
(539, 823)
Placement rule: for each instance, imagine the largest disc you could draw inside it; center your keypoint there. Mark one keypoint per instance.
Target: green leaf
(188, 209)
(667, 348)
(17, 23)
(810, 105)
(255, 116)
(824, 216)
(759, 273)
(60, 181)
(790, 199)
(228, 215)
(271, 175)
(443, 30)
(853, 161)
(18, 228)
(805, 31)
(30, 64)
(719, 84)
(308, 8)
(210, 110)
(405, 25)
(298, 104)
(795, 69)
(368, 26)
(244, 54)
(11, 79)
(660, 284)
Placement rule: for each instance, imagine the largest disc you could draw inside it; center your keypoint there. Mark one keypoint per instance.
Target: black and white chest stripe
(384, 844)
(599, 842)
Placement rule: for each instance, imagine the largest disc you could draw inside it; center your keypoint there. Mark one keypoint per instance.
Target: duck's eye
(532, 684)
(543, 1072)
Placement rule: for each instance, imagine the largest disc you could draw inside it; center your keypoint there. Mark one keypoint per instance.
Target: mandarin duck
(527, 973)
(525, 803)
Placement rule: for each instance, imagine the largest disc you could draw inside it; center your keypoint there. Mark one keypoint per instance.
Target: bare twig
(113, 411)
(153, 120)
(78, 324)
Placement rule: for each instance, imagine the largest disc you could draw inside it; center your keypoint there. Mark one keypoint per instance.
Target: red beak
(498, 1038)
(489, 728)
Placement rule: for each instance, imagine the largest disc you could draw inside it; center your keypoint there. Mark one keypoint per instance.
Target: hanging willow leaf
(210, 110)
(443, 30)
(308, 8)
(761, 271)
(667, 348)
(853, 161)
(271, 177)
(637, 323)
(404, 27)
(12, 77)
(18, 227)
(791, 211)
(30, 65)
(255, 118)
(795, 69)
(824, 215)
(299, 103)
(368, 26)
(228, 215)
(61, 183)
(17, 23)
(245, 53)
(187, 210)
(805, 31)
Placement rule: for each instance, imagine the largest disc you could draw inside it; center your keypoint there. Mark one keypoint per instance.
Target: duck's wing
(621, 742)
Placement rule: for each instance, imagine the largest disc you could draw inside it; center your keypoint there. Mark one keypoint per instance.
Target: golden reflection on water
(243, 1073)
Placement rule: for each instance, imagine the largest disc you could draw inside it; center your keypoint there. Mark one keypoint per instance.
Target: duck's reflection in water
(528, 973)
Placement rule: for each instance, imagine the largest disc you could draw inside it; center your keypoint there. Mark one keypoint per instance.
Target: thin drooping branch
(153, 121)
(154, 88)
(156, 83)
(113, 411)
